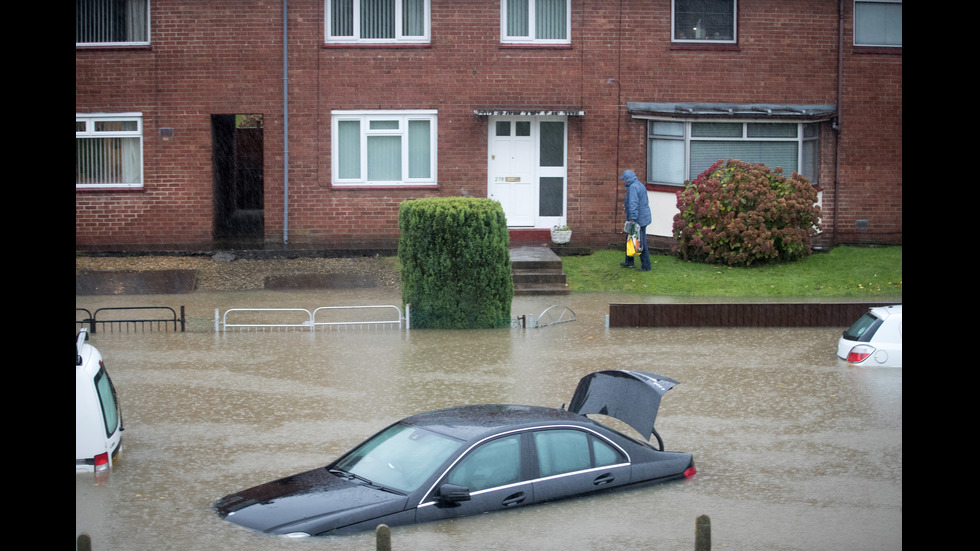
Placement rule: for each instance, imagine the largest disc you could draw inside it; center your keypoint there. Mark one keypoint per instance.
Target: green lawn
(842, 272)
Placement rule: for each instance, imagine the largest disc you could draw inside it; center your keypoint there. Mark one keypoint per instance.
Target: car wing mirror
(453, 493)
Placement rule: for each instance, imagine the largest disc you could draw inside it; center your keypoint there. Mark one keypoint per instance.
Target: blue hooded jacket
(636, 204)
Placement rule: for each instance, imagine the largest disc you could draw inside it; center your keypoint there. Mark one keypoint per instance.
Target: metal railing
(165, 319)
(261, 319)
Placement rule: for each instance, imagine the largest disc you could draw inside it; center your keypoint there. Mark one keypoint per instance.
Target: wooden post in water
(702, 534)
(383, 534)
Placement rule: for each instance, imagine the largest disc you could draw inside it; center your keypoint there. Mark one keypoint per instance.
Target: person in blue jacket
(636, 205)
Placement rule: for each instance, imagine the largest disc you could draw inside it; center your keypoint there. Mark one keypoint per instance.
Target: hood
(313, 502)
(629, 177)
(633, 397)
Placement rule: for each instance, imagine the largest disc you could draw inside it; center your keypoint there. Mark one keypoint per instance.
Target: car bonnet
(314, 501)
(630, 396)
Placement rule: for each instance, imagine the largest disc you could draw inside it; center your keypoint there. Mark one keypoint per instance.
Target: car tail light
(690, 471)
(102, 462)
(860, 353)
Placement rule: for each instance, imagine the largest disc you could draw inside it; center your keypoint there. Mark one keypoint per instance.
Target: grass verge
(842, 272)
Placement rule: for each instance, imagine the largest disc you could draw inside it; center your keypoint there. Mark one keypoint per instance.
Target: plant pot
(558, 236)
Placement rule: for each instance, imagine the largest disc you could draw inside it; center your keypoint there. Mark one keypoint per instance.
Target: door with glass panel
(527, 169)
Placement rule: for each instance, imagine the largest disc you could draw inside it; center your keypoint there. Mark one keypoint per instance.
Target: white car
(875, 339)
(98, 419)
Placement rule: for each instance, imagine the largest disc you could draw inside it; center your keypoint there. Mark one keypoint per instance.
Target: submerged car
(875, 339)
(473, 459)
(98, 419)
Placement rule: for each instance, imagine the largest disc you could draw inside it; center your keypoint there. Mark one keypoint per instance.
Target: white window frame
(806, 139)
(365, 117)
(355, 37)
(889, 20)
(87, 129)
(708, 37)
(505, 38)
(102, 4)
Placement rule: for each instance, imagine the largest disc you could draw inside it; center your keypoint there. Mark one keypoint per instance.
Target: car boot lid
(633, 397)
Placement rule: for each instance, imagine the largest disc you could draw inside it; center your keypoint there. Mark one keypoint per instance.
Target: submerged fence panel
(119, 319)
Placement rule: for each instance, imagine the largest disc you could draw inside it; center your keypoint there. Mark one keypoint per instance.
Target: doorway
(527, 169)
(237, 164)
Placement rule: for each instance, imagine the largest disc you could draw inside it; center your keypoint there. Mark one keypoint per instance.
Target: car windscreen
(400, 457)
(863, 328)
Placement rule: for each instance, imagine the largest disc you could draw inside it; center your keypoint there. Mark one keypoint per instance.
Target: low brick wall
(777, 314)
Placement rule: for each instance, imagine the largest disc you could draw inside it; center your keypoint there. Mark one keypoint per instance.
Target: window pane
(662, 128)
(384, 158)
(604, 453)
(349, 149)
(383, 125)
(552, 144)
(704, 19)
(551, 195)
(377, 18)
(342, 17)
(772, 154)
(562, 451)
(116, 126)
(413, 17)
(878, 23)
(100, 21)
(666, 161)
(503, 128)
(493, 464)
(550, 20)
(518, 18)
(419, 149)
(770, 130)
(716, 129)
(107, 161)
(522, 128)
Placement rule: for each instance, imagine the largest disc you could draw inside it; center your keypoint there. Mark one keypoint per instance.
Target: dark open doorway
(237, 160)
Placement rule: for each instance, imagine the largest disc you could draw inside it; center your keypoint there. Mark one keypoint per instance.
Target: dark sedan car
(473, 459)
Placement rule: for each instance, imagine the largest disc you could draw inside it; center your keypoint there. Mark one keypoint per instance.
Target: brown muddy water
(795, 450)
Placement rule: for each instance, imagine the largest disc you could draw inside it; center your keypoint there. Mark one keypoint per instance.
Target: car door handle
(514, 499)
(604, 479)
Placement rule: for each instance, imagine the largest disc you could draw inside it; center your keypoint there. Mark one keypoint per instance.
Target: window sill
(667, 188)
(382, 186)
(534, 46)
(712, 46)
(146, 47)
(87, 189)
(382, 45)
(887, 50)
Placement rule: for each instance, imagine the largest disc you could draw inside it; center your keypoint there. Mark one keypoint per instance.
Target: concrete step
(537, 271)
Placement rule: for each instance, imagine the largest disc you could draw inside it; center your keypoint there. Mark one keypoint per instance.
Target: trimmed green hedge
(455, 262)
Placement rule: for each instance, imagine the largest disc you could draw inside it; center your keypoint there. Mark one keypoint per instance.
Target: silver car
(875, 339)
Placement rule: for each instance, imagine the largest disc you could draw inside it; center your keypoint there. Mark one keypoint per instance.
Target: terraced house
(305, 123)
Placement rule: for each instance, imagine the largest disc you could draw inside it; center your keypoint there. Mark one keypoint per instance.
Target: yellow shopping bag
(633, 247)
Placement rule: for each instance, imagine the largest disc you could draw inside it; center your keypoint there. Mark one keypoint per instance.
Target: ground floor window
(681, 150)
(384, 147)
(108, 150)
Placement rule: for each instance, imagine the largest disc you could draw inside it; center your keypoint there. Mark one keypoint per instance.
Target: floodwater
(795, 450)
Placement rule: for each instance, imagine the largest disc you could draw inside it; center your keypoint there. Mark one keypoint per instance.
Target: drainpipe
(837, 121)
(285, 125)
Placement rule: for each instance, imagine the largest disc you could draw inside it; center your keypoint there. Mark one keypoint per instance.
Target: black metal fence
(120, 319)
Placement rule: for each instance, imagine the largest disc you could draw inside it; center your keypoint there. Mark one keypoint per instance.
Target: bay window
(681, 150)
(384, 147)
(108, 150)
(535, 22)
(377, 21)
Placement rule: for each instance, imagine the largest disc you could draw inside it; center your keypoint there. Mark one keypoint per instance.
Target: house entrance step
(537, 271)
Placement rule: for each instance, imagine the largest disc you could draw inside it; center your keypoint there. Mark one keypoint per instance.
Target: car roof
(478, 421)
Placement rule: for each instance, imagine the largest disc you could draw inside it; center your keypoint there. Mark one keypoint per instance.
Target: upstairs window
(112, 22)
(682, 150)
(878, 23)
(703, 21)
(108, 150)
(384, 147)
(535, 22)
(377, 21)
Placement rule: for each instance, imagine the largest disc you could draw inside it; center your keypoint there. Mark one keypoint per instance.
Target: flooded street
(795, 450)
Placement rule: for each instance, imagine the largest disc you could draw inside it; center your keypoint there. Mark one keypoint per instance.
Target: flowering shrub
(739, 214)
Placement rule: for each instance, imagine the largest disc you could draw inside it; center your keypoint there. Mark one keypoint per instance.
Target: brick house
(188, 113)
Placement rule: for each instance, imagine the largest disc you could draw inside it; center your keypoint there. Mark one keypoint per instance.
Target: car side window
(494, 463)
(564, 451)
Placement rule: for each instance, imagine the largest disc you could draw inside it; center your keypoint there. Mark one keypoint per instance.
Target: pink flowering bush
(741, 214)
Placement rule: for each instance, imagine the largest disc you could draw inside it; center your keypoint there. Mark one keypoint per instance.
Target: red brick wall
(226, 57)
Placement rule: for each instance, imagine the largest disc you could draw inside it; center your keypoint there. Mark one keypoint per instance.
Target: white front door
(527, 169)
